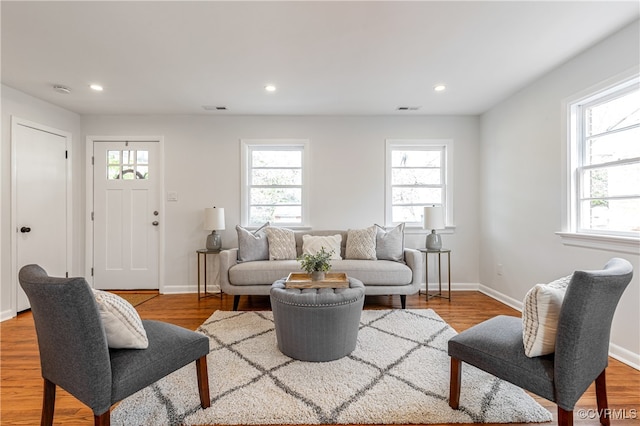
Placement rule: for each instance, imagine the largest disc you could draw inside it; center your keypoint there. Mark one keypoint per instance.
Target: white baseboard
(454, 287)
(509, 301)
(625, 356)
(183, 289)
(617, 352)
(8, 314)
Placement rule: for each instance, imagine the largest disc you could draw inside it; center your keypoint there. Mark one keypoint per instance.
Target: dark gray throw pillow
(252, 245)
(390, 244)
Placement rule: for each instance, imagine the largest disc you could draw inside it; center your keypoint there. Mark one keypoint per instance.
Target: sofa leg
(403, 301)
(236, 301)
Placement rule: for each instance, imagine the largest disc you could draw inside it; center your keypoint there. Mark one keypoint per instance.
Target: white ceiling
(325, 57)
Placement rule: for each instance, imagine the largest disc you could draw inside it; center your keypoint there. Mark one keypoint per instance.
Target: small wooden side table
(427, 252)
(202, 254)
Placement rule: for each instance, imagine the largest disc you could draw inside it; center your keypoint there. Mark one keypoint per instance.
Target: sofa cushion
(282, 243)
(390, 244)
(252, 245)
(262, 272)
(361, 244)
(540, 315)
(312, 244)
(378, 273)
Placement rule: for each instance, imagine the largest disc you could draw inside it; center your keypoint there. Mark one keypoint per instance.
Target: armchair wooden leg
(601, 397)
(454, 386)
(565, 418)
(48, 403)
(203, 382)
(103, 419)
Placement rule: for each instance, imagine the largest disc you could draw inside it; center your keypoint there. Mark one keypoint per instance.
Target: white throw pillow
(282, 243)
(361, 243)
(540, 316)
(311, 244)
(121, 322)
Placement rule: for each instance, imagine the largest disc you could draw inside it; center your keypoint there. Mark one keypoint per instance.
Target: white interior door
(126, 184)
(40, 170)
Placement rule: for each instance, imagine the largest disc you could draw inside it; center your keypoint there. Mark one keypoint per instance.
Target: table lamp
(433, 219)
(214, 221)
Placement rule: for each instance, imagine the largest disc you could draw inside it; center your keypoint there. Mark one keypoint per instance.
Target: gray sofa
(380, 277)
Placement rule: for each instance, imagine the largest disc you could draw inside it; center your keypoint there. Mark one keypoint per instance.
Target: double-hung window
(274, 182)
(418, 174)
(605, 162)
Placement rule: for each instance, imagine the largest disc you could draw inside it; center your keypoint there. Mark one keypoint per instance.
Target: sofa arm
(228, 258)
(413, 258)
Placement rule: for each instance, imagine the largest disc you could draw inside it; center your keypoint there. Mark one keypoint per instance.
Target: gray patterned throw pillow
(252, 245)
(390, 244)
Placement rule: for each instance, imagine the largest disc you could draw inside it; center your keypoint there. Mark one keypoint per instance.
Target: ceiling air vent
(61, 89)
(214, 108)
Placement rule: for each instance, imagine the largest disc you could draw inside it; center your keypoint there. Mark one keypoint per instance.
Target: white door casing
(41, 201)
(127, 214)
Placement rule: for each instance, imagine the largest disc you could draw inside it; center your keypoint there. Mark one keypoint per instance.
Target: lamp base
(433, 241)
(214, 241)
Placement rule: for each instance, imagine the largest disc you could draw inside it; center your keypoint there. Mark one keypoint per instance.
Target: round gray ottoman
(317, 324)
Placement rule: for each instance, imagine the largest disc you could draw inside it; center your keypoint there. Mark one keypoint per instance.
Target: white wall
(18, 104)
(522, 186)
(202, 164)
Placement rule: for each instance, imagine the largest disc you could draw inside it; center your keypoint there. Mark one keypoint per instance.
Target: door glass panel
(128, 164)
(113, 172)
(143, 172)
(143, 157)
(113, 157)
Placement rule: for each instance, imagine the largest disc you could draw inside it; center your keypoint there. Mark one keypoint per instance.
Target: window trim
(246, 147)
(447, 146)
(571, 234)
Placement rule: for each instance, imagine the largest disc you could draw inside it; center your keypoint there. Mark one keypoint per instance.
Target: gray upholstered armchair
(581, 348)
(74, 353)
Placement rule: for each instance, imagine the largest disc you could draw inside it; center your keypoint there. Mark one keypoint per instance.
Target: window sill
(450, 229)
(601, 242)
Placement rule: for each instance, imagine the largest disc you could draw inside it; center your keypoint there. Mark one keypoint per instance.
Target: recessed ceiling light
(96, 87)
(61, 89)
(439, 87)
(270, 88)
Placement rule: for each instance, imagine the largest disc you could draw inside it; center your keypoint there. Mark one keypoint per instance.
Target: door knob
(25, 229)
(155, 223)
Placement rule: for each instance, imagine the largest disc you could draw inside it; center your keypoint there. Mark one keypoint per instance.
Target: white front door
(126, 213)
(40, 170)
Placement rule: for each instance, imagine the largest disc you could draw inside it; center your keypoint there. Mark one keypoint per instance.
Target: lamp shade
(433, 217)
(213, 219)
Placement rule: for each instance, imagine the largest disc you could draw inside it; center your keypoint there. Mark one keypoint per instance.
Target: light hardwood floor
(21, 383)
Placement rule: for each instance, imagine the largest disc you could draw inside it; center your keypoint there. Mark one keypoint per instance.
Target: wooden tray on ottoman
(303, 280)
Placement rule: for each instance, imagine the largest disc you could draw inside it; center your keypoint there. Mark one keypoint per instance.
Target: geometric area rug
(398, 374)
